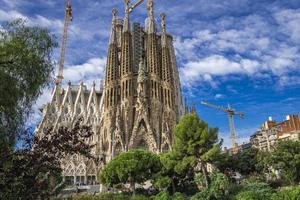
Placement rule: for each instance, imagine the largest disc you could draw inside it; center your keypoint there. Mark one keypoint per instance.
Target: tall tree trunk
(173, 185)
(205, 174)
(132, 185)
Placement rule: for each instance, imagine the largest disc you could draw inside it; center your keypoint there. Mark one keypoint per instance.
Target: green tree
(246, 161)
(25, 69)
(132, 167)
(286, 159)
(195, 145)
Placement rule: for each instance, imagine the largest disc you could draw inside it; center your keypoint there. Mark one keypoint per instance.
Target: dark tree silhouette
(34, 172)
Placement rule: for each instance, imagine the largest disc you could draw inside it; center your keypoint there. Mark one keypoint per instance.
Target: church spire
(113, 35)
(150, 20)
(126, 23)
(163, 30)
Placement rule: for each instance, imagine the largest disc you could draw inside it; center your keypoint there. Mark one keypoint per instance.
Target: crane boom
(214, 106)
(68, 18)
(231, 112)
(132, 7)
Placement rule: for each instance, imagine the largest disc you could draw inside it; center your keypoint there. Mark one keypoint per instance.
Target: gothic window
(80, 170)
(70, 170)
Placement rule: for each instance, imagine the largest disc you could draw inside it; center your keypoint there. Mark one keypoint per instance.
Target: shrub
(178, 196)
(163, 196)
(139, 197)
(290, 194)
(202, 195)
(252, 195)
(255, 191)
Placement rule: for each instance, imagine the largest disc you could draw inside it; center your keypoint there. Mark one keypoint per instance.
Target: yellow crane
(231, 113)
(68, 18)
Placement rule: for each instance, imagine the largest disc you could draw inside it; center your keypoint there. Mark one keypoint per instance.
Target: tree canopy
(286, 159)
(132, 167)
(25, 69)
(195, 145)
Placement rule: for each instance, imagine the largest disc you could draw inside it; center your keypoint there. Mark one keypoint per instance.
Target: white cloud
(289, 23)
(288, 81)
(41, 21)
(52, 24)
(249, 46)
(215, 65)
(12, 3)
(10, 15)
(91, 70)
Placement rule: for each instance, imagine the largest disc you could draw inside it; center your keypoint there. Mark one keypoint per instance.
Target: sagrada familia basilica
(138, 105)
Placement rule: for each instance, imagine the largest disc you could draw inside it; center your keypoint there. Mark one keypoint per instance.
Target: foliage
(286, 159)
(224, 162)
(132, 167)
(195, 145)
(162, 182)
(199, 180)
(218, 188)
(178, 196)
(245, 162)
(34, 173)
(25, 69)
(263, 162)
(255, 191)
(162, 196)
(204, 194)
(287, 194)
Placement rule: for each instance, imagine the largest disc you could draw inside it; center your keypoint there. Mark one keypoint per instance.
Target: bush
(178, 196)
(139, 197)
(253, 195)
(163, 196)
(255, 191)
(290, 194)
(203, 195)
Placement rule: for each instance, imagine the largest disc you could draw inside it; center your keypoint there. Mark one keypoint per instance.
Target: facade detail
(140, 102)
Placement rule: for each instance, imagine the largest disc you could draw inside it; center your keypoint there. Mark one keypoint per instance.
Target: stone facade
(140, 102)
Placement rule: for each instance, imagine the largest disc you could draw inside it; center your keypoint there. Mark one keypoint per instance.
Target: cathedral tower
(143, 101)
(139, 104)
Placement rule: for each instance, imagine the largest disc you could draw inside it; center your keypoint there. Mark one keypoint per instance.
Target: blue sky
(242, 52)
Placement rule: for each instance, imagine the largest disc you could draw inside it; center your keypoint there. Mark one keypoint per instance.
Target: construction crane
(68, 18)
(132, 7)
(231, 113)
